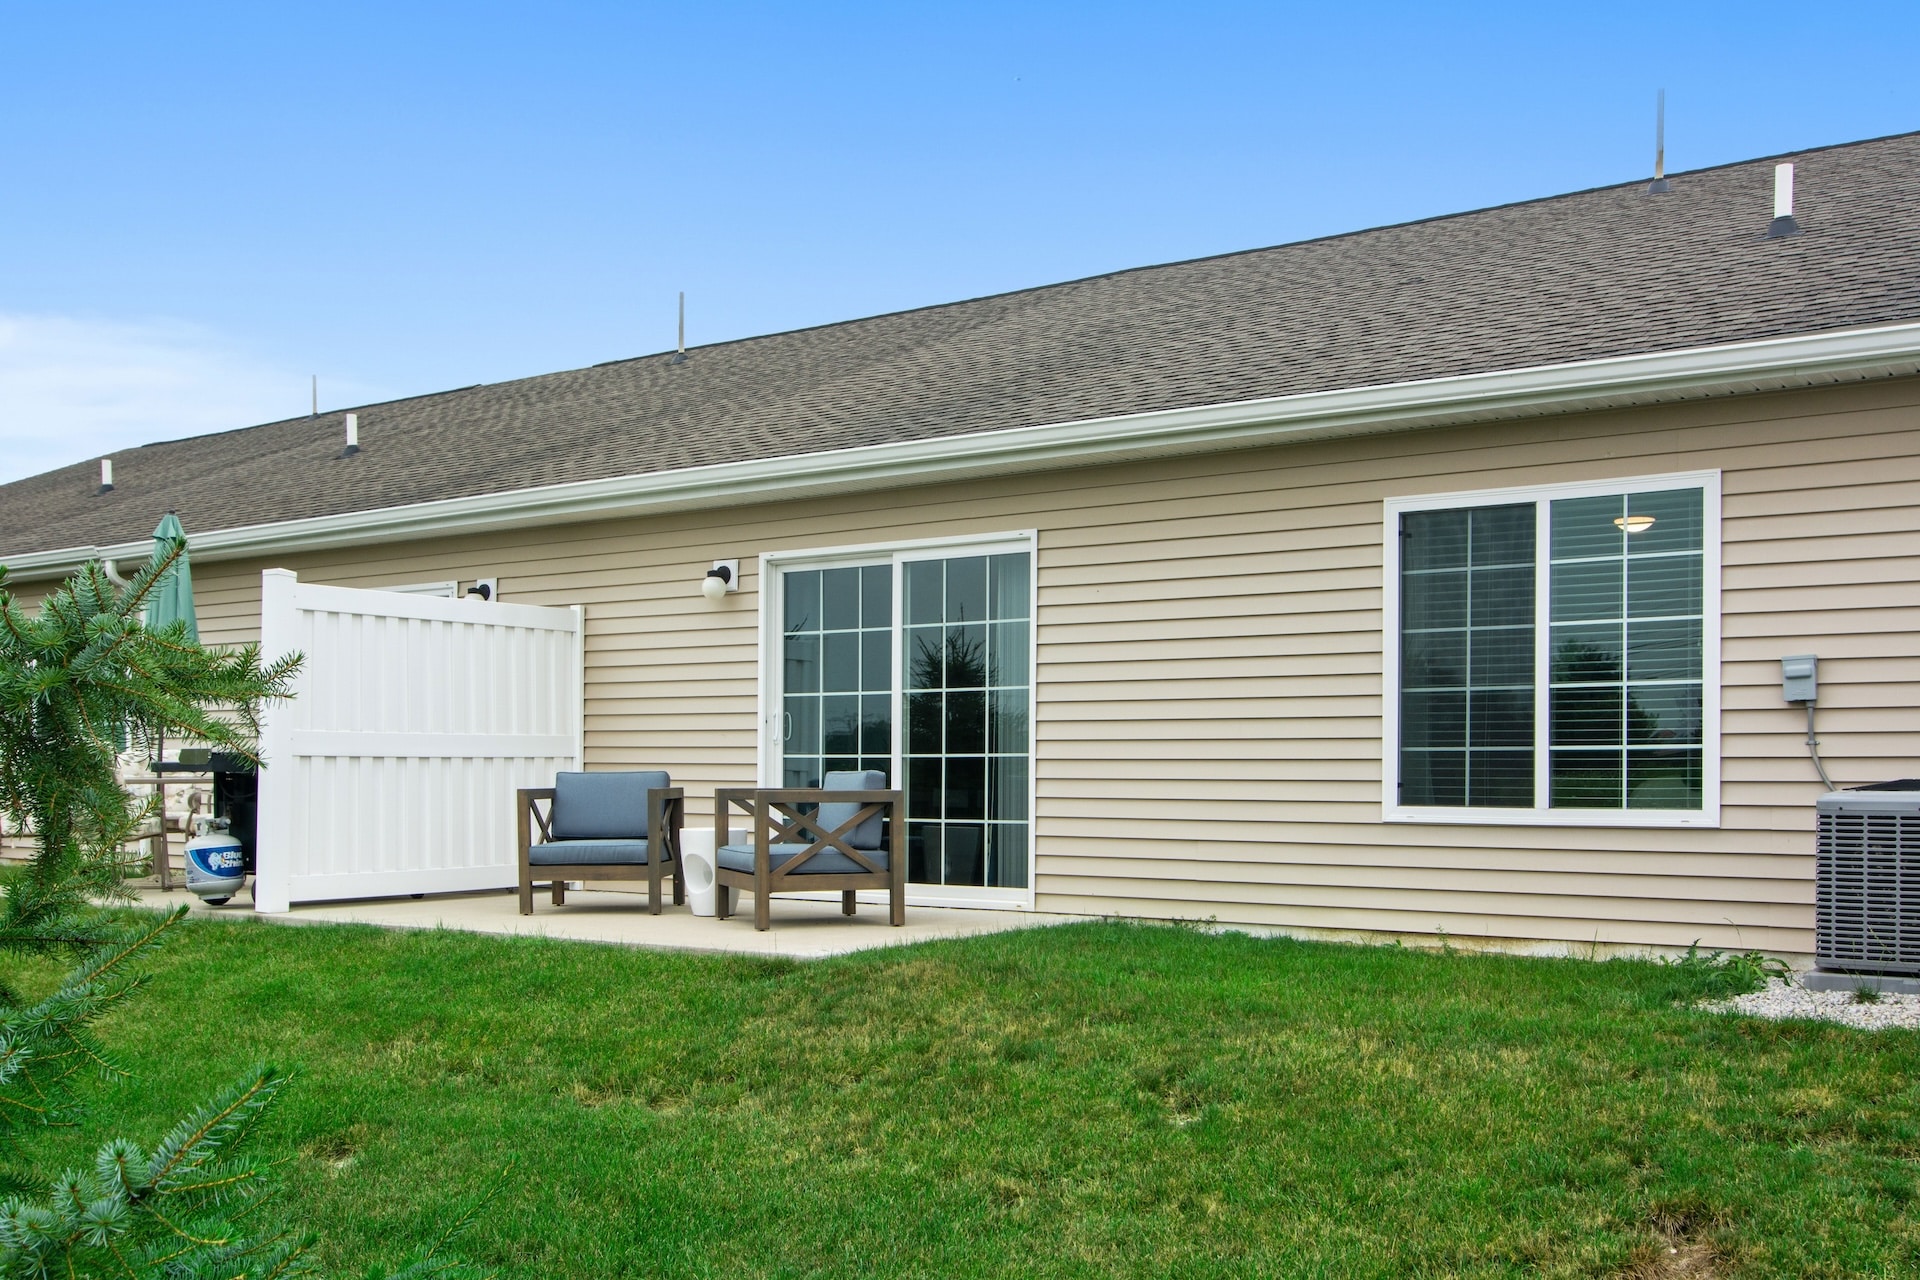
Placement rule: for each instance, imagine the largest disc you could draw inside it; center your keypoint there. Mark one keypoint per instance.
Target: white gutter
(1732, 369)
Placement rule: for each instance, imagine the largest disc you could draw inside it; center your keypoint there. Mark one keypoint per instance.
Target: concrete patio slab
(801, 929)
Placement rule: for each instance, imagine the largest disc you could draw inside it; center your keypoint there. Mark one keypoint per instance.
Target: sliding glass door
(918, 663)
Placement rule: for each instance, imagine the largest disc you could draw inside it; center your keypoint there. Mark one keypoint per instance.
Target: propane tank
(214, 862)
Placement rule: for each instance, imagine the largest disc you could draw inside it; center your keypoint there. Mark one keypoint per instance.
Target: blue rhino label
(219, 860)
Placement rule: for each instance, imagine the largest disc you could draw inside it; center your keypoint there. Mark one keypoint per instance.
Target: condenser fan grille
(1867, 883)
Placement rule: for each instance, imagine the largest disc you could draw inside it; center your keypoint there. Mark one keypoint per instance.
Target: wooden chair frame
(666, 813)
(777, 820)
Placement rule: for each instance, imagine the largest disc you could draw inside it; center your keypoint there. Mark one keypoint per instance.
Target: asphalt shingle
(1614, 271)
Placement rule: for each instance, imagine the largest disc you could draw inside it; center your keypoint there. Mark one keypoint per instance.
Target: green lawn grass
(1095, 1100)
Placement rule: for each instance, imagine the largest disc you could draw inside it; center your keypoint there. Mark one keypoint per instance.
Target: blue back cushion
(867, 834)
(603, 806)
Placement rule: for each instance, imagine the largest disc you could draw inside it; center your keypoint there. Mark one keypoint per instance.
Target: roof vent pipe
(680, 353)
(1783, 223)
(106, 476)
(353, 436)
(1660, 186)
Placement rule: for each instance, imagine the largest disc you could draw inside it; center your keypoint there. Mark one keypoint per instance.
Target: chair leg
(526, 893)
(846, 902)
(722, 901)
(653, 889)
(559, 892)
(897, 901)
(762, 912)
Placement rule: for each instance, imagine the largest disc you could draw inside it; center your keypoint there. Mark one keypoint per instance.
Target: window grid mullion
(1542, 653)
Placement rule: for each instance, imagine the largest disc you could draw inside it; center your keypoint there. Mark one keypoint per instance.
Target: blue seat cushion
(603, 806)
(568, 853)
(868, 834)
(828, 862)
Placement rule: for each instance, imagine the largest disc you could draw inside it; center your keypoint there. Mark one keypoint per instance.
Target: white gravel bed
(1786, 1000)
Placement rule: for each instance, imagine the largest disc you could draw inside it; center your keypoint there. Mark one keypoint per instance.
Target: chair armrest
(814, 795)
(526, 814)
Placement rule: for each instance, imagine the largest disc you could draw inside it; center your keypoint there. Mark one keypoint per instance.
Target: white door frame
(898, 553)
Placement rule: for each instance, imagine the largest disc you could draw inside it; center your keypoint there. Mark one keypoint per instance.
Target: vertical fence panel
(415, 717)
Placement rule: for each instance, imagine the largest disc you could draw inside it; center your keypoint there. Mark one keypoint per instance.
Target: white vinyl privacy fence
(393, 769)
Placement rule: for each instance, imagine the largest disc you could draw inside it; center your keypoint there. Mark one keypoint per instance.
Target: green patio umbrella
(172, 598)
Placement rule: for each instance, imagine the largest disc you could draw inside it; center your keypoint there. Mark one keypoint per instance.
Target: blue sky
(202, 205)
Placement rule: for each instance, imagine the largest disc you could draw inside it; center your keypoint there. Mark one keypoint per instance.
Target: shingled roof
(1608, 272)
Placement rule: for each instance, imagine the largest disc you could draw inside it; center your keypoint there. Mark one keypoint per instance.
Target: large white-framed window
(915, 657)
(1553, 654)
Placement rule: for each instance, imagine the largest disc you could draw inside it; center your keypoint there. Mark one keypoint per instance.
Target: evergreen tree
(76, 678)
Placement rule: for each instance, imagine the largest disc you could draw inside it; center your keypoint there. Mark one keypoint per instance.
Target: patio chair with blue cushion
(602, 826)
(847, 835)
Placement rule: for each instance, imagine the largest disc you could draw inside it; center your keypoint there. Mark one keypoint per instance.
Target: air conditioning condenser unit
(1867, 879)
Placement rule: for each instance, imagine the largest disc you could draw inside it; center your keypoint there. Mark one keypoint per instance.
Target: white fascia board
(1735, 368)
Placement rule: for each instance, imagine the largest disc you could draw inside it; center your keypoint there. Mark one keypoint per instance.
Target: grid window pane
(1625, 707)
(840, 723)
(926, 586)
(967, 589)
(1467, 655)
(1434, 540)
(1007, 789)
(966, 722)
(1663, 779)
(1434, 659)
(840, 661)
(1503, 656)
(827, 648)
(969, 649)
(923, 852)
(1586, 589)
(803, 600)
(1007, 648)
(966, 656)
(1678, 521)
(1664, 650)
(1009, 583)
(1584, 527)
(876, 597)
(1500, 779)
(926, 658)
(1586, 779)
(803, 663)
(1431, 600)
(1007, 721)
(1663, 586)
(1433, 778)
(1626, 702)
(1663, 715)
(966, 853)
(924, 789)
(1586, 654)
(1007, 855)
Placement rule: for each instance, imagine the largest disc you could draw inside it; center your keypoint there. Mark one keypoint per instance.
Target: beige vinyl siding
(1207, 741)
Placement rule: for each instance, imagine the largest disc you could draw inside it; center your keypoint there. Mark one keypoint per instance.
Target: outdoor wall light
(1633, 524)
(722, 578)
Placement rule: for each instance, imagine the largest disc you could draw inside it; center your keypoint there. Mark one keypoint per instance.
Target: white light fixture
(1633, 524)
(722, 578)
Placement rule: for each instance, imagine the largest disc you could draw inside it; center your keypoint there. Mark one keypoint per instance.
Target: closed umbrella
(172, 597)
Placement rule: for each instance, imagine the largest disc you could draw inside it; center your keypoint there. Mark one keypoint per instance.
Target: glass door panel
(837, 672)
(966, 641)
